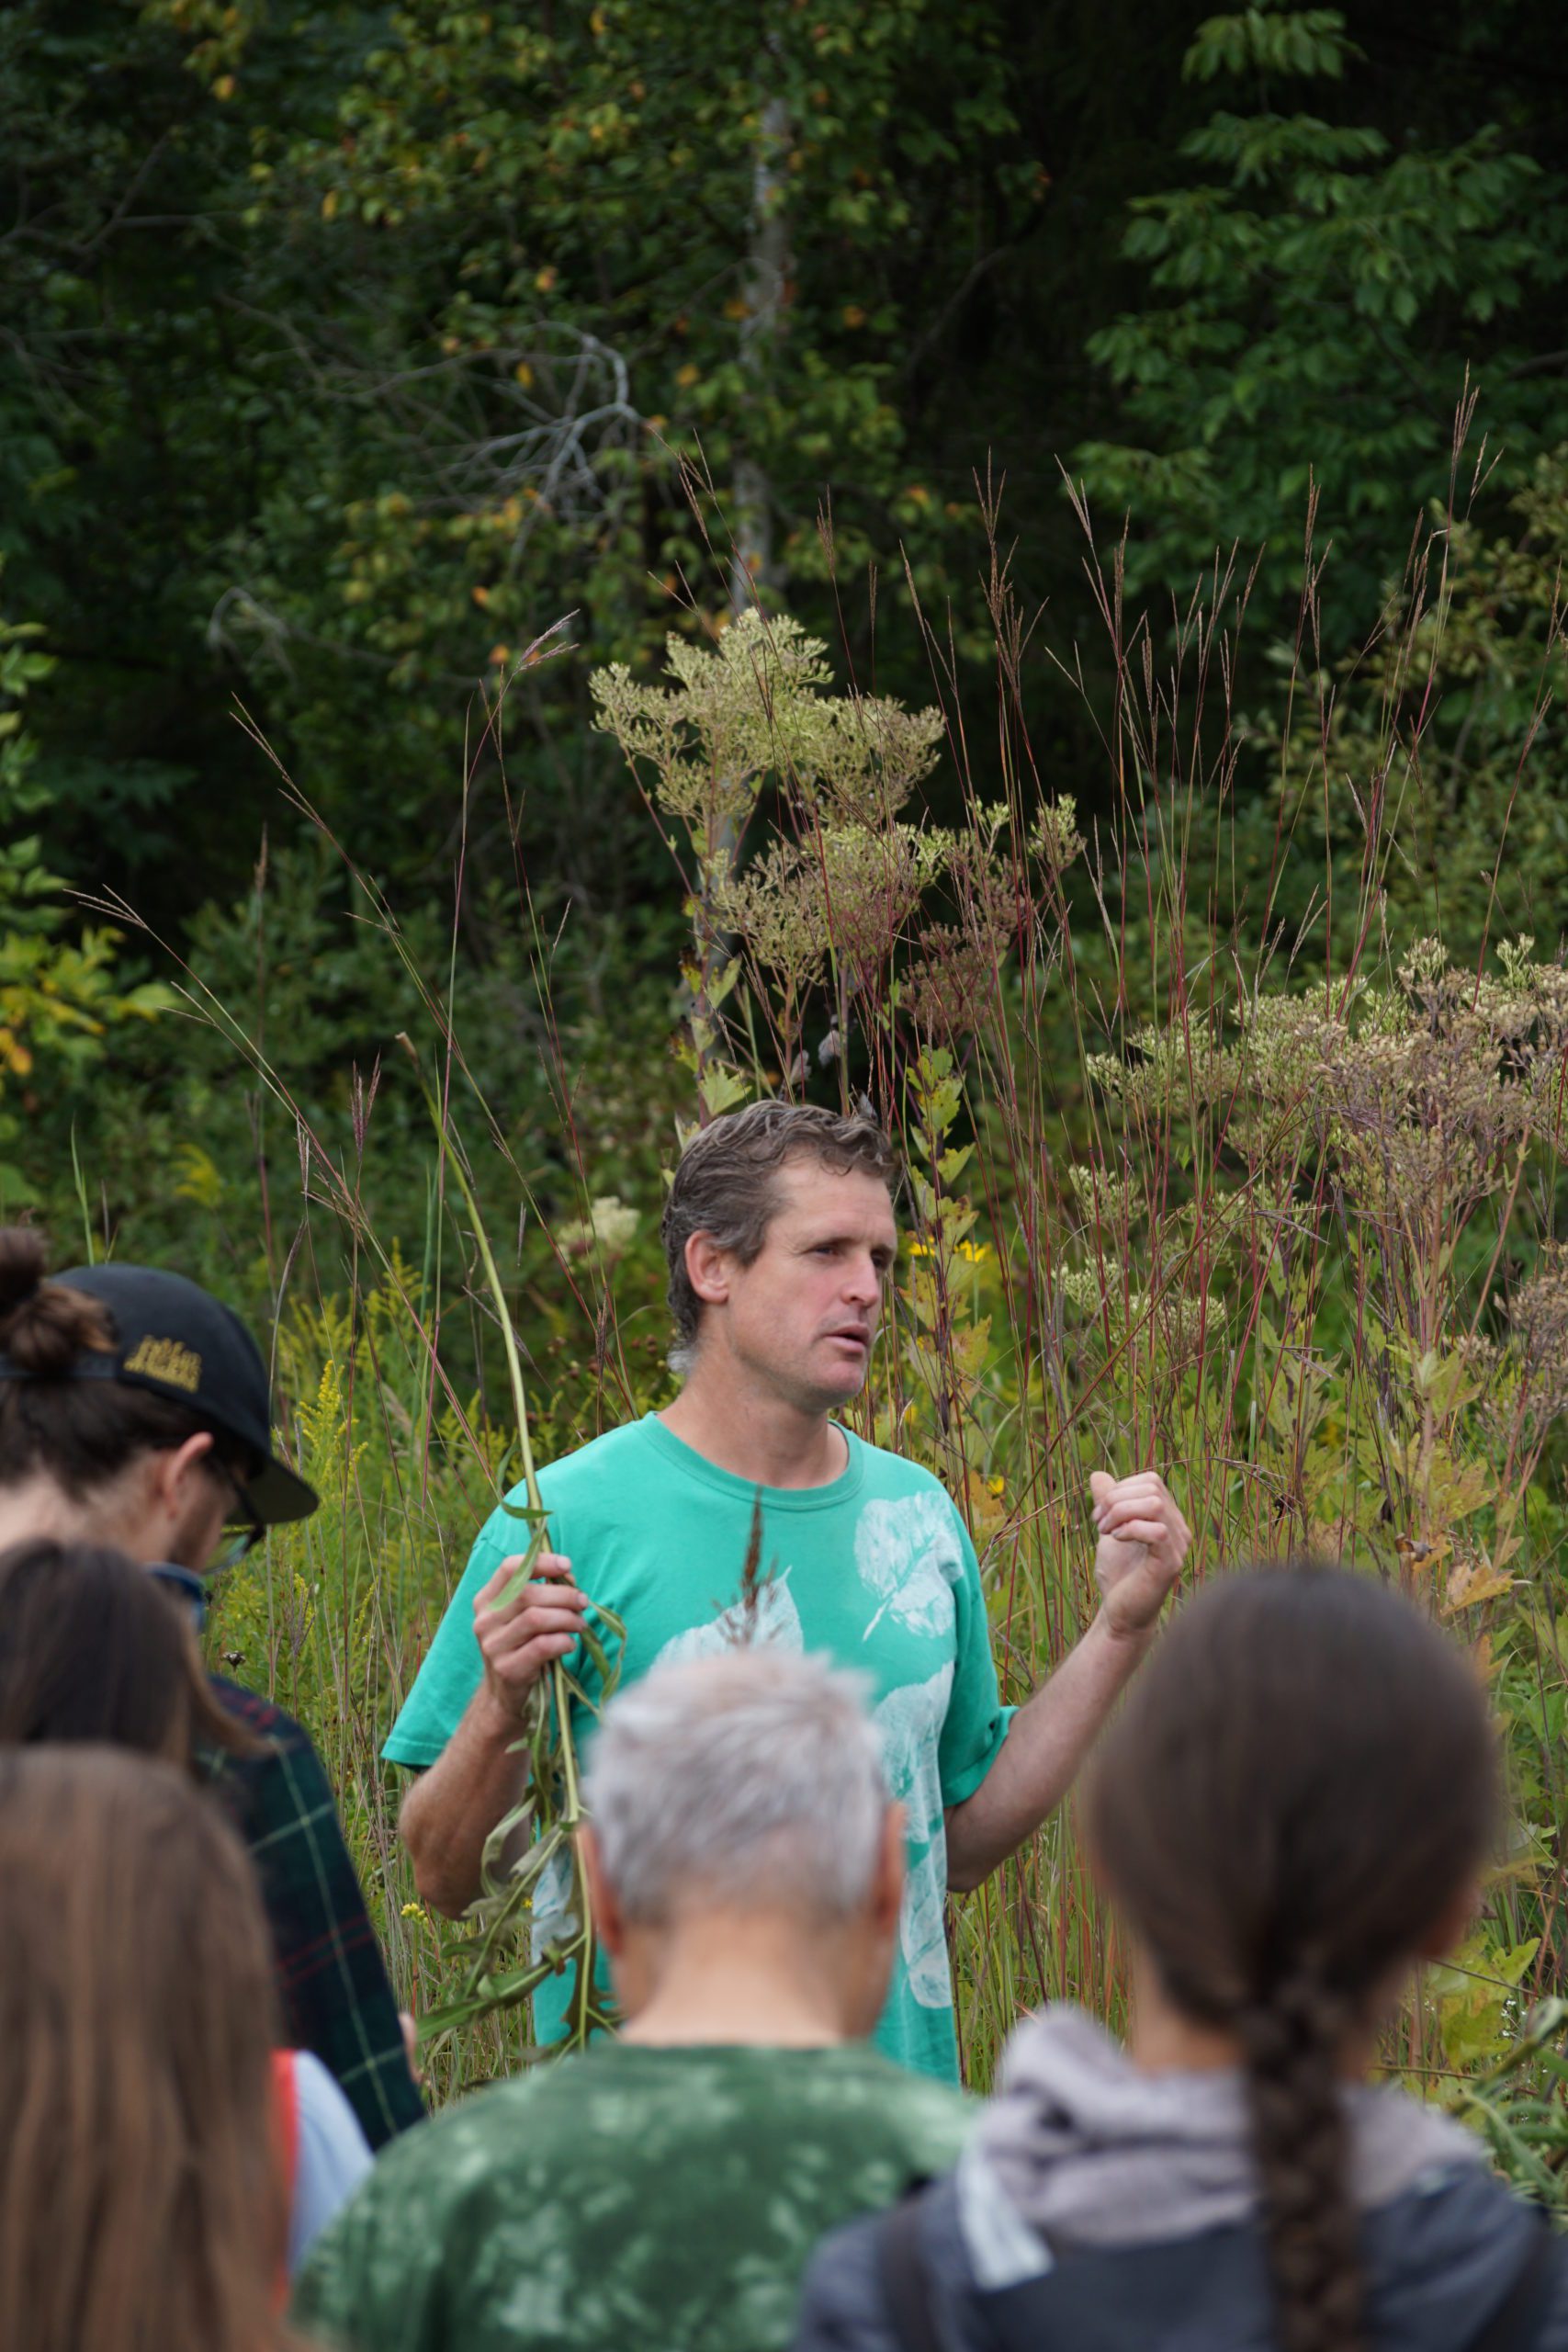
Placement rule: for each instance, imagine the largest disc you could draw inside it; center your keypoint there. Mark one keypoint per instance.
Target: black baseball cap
(175, 1339)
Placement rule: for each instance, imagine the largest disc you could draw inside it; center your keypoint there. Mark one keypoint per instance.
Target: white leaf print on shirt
(908, 1722)
(552, 1918)
(907, 1554)
(777, 1624)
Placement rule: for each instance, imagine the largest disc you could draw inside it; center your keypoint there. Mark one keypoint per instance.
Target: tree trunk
(752, 563)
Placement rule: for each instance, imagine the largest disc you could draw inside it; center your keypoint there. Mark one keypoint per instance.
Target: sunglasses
(243, 1531)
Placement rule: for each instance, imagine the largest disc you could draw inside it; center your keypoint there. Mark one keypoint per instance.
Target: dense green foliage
(1331, 291)
(401, 412)
(347, 347)
(1295, 1237)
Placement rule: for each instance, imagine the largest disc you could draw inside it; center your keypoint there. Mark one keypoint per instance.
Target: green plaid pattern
(337, 1999)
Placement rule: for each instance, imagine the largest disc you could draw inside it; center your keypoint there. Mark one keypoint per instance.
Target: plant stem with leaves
(543, 1827)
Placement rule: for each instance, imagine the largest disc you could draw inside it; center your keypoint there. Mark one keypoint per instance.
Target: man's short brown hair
(724, 1186)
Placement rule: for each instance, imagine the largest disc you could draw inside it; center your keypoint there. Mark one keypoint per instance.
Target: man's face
(805, 1312)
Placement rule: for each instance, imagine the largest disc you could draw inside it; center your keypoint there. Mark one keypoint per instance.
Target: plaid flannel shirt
(337, 1999)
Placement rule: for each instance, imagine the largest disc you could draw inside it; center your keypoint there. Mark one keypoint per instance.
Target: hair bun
(43, 1325)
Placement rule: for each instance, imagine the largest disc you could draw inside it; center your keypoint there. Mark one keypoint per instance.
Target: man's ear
(709, 1269)
(887, 1883)
(608, 1921)
(172, 1469)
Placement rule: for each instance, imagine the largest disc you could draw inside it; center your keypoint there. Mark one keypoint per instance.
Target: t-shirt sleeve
(450, 1674)
(977, 1720)
(334, 2155)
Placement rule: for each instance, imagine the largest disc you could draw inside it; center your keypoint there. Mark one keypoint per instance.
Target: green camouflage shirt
(628, 2200)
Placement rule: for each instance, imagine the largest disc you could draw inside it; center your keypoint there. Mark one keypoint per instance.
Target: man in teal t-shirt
(780, 1235)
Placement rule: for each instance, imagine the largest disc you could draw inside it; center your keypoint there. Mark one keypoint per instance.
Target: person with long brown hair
(1292, 1814)
(92, 1650)
(143, 2204)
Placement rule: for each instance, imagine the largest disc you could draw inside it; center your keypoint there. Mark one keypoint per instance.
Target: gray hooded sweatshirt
(1119, 2210)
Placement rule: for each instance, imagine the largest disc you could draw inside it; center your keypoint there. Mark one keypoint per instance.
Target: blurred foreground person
(142, 2203)
(661, 2193)
(134, 1411)
(1291, 1814)
(93, 1650)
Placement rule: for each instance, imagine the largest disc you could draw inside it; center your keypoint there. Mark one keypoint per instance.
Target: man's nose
(863, 1282)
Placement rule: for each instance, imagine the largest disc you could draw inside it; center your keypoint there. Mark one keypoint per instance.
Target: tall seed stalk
(541, 1829)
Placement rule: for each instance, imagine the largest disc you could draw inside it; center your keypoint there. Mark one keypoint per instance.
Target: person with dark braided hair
(1292, 1812)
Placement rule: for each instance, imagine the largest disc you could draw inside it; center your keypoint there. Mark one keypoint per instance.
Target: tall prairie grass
(1221, 1159)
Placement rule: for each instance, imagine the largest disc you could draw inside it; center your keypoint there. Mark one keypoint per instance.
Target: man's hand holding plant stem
(520, 1639)
(452, 1808)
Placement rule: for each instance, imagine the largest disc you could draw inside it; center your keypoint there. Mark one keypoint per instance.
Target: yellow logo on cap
(166, 1360)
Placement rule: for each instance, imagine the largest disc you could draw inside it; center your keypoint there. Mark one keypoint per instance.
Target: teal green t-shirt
(876, 1570)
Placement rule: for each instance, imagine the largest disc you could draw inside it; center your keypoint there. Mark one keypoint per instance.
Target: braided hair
(1300, 1785)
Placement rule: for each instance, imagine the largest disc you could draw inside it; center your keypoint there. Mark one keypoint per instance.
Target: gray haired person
(665, 2190)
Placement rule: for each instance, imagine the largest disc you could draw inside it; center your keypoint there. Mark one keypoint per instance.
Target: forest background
(396, 404)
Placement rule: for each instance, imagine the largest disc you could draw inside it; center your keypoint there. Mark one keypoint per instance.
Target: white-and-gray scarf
(1080, 2148)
